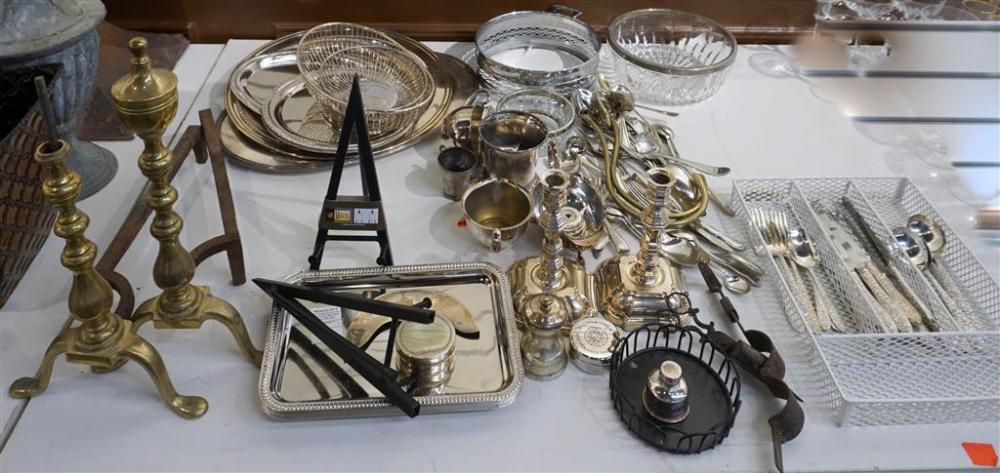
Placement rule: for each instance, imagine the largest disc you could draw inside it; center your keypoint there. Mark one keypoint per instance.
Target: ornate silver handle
(824, 305)
(616, 238)
(714, 235)
(925, 314)
(881, 316)
(902, 305)
(798, 288)
(963, 313)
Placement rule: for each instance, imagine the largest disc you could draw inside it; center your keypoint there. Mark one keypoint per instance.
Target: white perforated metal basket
(865, 377)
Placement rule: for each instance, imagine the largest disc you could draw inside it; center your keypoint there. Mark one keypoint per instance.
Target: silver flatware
(889, 307)
(934, 237)
(926, 317)
(767, 222)
(803, 253)
(666, 135)
(736, 284)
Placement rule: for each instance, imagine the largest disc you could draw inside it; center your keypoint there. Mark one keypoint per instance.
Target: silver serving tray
(487, 375)
(255, 78)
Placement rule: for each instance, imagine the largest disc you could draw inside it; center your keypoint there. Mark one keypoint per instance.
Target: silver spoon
(717, 260)
(916, 250)
(929, 231)
(932, 236)
(803, 253)
(912, 246)
(640, 139)
(736, 284)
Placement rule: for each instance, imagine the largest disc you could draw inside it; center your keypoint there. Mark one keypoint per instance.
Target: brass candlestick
(564, 283)
(146, 100)
(103, 340)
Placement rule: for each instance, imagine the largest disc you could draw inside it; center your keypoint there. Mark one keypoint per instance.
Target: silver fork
(766, 222)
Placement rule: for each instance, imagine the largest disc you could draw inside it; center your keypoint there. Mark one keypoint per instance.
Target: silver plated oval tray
(245, 153)
(255, 79)
(254, 152)
(311, 381)
(454, 83)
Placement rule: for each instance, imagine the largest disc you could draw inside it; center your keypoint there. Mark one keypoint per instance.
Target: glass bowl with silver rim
(670, 57)
(549, 50)
(554, 110)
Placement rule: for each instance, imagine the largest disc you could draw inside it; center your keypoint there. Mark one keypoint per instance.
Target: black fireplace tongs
(380, 375)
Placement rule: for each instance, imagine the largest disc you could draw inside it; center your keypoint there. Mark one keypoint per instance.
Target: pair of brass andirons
(146, 100)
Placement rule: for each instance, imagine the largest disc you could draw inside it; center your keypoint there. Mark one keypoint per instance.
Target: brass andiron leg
(146, 100)
(102, 340)
(563, 283)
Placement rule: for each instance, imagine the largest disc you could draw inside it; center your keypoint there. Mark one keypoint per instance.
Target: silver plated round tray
(246, 154)
(294, 117)
(249, 125)
(454, 83)
(255, 79)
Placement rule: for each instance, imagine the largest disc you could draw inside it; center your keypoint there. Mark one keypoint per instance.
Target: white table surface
(762, 127)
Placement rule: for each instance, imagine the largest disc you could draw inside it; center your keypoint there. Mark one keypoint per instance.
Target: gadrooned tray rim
(277, 408)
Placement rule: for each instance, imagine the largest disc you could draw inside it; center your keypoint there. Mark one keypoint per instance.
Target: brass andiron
(564, 282)
(102, 340)
(146, 100)
(633, 290)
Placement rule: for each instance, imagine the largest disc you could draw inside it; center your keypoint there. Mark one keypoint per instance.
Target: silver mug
(511, 141)
(458, 169)
(496, 212)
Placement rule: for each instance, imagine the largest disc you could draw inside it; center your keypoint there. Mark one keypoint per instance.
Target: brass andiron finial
(102, 339)
(146, 100)
(633, 290)
(564, 283)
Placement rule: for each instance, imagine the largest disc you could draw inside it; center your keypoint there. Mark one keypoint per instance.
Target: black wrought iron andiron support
(760, 359)
(353, 213)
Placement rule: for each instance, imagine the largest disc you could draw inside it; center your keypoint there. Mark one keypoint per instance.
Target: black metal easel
(353, 213)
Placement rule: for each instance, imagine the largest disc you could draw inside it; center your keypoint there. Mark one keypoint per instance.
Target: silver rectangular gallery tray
(487, 374)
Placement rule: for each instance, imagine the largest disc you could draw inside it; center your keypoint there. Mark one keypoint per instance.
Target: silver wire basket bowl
(670, 57)
(526, 49)
(396, 85)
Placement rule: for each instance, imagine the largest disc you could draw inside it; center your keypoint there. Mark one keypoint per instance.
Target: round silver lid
(426, 344)
(30, 28)
(592, 342)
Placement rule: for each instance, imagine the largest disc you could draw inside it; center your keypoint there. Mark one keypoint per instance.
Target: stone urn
(61, 32)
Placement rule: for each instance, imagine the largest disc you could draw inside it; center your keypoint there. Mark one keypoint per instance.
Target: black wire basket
(713, 387)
